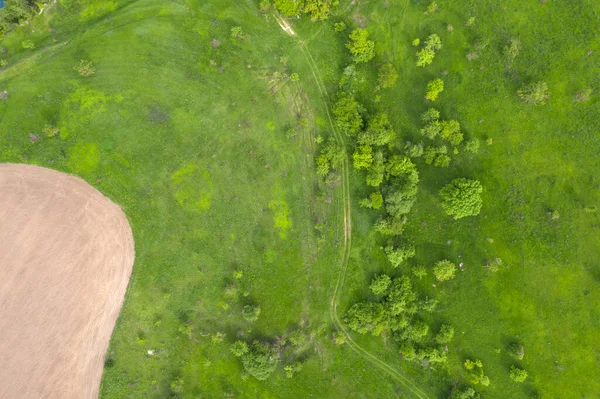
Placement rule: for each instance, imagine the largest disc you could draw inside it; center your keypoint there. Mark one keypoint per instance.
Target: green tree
(472, 146)
(387, 75)
(434, 88)
(518, 374)
(374, 201)
(379, 131)
(362, 157)
(366, 317)
(444, 270)
(464, 393)
(426, 55)
(475, 372)
(289, 8)
(399, 255)
(450, 130)
(260, 361)
(239, 348)
(319, 10)
(462, 197)
(339, 27)
(534, 93)
(419, 271)
(380, 284)
(330, 157)
(430, 115)
(391, 226)
(361, 48)
(251, 312)
(445, 334)
(346, 112)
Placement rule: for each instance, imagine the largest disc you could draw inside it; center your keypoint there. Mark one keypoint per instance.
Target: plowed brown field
(66, 254)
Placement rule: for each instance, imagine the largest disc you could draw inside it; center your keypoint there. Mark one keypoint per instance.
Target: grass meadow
(209, 147)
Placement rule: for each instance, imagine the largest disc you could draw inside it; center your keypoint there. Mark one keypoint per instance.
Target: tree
(391, 226)
(432, 45)
(260, 361)
(450, 130)
(347, 115)
(399, 255)
(444, 270)
(434, 88)
(432, 129)
(380, 284)
(319, 9)
(472, 146)
(430, 115)
(462, 197)
(292, 369)
(289, 8)
(419, 271)
(365, 317)
(518, 374)
(239, 348)
(464, 393)
(330, 157)
(387, 75)
(379, 131)
(298, 338)
(374, 201)
(475, 372)
(361, 48)
(339, 27)
(516, 350)
(362, 157)
(445, 334)
(534, 93)
(251, 312)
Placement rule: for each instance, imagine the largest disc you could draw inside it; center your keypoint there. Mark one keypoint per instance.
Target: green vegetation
(286, 190)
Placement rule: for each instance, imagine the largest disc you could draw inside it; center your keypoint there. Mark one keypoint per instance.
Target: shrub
(27, 44)
(518, 374)
(516, 350)
(464, 393)
(251, 312)
(534, 93)
(238, 33)
(339, 27)
(264, 6)
(85, 68)
(397, 256)
(462, 197)
(475, 372)
(339, 338)
(298, 338)
(387, 75)
(294, 77)
(239, 348)
(444, 270)
(472, 146)
(419, 271)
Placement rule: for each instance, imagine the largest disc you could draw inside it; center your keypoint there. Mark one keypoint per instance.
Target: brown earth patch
(66, 255)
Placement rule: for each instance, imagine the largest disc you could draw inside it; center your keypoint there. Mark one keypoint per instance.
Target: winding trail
(347, 206)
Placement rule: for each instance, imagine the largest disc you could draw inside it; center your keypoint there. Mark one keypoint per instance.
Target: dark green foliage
(462, 197)
(347, 114)
(260, 361)
(437, 156)
(380, 284)
(251, 312)
(361, 48)
(428, 304)
(413, 150)
(516, 350)
(445, 334)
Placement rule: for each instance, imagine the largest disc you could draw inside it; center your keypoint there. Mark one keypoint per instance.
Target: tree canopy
(462, 197)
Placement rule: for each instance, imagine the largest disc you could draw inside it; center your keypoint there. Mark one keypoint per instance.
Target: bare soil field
(66, 255)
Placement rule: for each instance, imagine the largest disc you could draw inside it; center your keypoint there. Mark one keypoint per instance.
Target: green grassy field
(209, 147)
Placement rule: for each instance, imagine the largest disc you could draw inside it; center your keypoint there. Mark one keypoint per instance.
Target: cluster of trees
(317, 9)
(425, 56)
(397, 312)
(17, 12)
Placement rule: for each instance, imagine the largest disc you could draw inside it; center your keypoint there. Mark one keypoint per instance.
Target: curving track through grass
(347, 206)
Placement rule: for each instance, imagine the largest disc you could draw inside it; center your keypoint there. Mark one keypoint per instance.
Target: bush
(239, 348)
(444, 270)
(516, 350)
(298, 338)
(85, 68)
(534, 93)
(27, 44)
(462, 197)
(419, 271)
(472, 146)
(432, 45)
(464, 393)
(251, 312)
(518, 374)
(339, 27)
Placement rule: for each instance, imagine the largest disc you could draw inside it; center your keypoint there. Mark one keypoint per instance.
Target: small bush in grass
(518, 374)
(85, 68)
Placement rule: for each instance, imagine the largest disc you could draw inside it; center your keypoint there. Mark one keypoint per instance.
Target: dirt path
(347, 206)
(66, 254)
